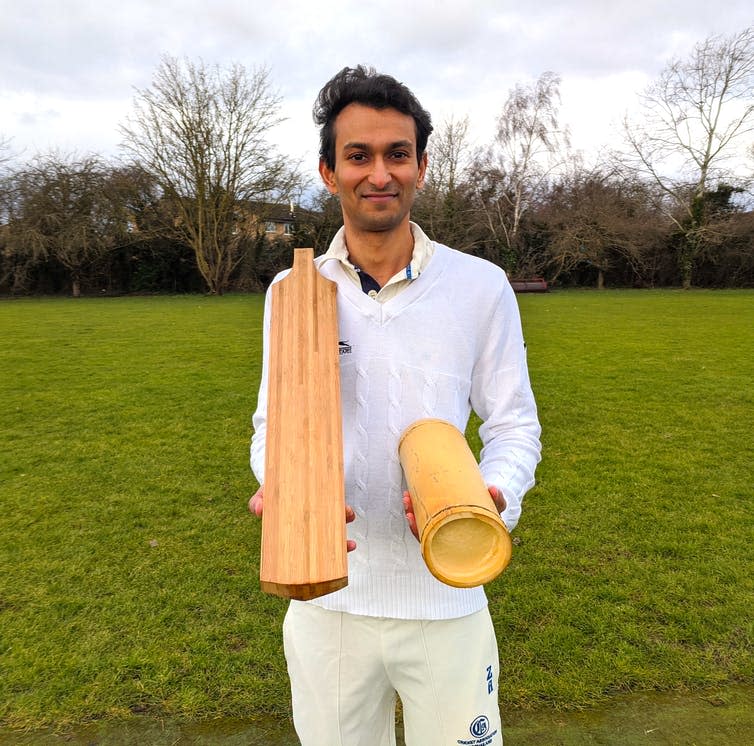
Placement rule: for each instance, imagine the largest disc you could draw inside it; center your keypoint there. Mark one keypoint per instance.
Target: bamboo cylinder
(464, 542)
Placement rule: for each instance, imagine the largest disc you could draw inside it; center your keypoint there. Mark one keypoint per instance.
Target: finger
(411, 518)
(350, 516)
(497, 498)
(408, 505)
(255, 503)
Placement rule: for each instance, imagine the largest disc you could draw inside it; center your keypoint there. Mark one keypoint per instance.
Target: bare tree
(445, 206)
(5, 185)
(6, 156)
(5, 153)
(596, 223)
(529, 147)
(5, 205)
(203, 133)
(693, 117)
(319, 219)
(60, 209)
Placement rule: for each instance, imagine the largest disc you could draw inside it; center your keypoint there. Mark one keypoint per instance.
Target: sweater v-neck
(382, 312)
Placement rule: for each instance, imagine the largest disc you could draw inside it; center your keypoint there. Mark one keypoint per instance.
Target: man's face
(376, 171)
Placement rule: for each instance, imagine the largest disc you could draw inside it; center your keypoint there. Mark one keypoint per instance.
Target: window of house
(271, 226)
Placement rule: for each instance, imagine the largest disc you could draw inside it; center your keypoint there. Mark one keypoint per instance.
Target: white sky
(68, 68)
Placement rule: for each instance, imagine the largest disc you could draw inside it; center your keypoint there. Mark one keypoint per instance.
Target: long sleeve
(449, 342)
(501, 395)
(259, 419)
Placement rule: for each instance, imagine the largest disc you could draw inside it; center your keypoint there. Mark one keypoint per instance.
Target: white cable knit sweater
(451, 341)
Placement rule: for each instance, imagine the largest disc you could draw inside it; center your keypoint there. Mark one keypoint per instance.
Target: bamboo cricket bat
(303, 551)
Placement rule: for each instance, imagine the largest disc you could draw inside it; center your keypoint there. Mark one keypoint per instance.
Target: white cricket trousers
(345, 671)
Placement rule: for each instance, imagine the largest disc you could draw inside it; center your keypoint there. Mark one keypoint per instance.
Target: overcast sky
(68, 68)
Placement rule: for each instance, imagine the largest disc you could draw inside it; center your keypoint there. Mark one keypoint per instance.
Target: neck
(380, 254)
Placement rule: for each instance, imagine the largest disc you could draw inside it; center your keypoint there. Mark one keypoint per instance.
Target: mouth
(379, 198)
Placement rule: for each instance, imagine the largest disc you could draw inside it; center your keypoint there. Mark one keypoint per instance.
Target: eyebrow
(364, 146)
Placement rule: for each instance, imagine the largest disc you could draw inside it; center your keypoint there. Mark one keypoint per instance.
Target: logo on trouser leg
(480, 726)
(480, 732)
(490, 679)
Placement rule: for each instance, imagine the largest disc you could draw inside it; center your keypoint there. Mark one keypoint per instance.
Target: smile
(379, 198)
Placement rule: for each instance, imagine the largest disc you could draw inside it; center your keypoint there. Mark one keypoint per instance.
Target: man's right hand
(255, 507)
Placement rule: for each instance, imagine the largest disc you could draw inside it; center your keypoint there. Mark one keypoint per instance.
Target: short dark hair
(364, 85)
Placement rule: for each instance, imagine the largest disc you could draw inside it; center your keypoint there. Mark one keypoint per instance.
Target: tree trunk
(600, 280)
(76, 287)
(686, 260)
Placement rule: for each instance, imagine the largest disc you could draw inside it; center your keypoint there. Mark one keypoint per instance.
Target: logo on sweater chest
(344, 348)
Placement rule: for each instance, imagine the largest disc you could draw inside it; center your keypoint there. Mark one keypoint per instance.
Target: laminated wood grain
(303, 522)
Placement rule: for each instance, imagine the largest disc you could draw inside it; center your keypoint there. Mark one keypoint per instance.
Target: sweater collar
(423, 250)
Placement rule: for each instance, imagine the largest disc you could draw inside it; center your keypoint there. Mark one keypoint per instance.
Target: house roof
(276, 212)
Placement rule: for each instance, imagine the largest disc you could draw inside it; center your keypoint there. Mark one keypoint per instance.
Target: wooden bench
(529, 284)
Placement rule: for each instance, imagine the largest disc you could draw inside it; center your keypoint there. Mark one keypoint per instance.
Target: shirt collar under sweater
(423, 250)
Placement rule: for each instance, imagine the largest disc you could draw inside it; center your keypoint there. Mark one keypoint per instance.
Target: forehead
(363, 124)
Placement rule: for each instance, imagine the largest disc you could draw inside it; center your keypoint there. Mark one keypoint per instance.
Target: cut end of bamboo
(466, 546)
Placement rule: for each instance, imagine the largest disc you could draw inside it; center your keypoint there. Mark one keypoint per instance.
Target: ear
(328, 176)
(423, 161)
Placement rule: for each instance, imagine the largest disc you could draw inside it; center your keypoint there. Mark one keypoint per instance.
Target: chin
(379, 227)
(378, 223)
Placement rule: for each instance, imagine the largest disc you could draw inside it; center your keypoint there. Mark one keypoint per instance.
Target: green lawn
(128, 563)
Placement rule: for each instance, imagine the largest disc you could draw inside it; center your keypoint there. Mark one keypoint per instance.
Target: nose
(379, 177)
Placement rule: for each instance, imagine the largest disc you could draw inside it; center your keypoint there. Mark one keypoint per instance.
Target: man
(430, 332)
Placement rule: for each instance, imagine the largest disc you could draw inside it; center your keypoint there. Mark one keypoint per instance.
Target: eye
(357, 157)
(399, 155)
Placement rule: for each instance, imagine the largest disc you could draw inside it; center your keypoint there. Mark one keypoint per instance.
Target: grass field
(128, 563)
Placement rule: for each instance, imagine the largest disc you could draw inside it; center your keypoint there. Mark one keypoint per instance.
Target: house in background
(278, 220)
